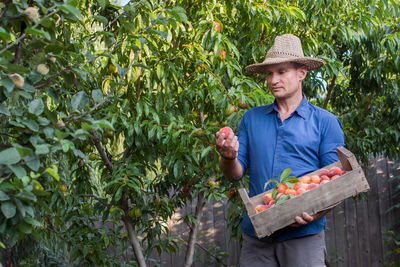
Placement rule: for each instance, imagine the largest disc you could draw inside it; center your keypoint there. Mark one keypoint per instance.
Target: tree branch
(329, 91)
(368, 108)
(98, 199)
(4, 10)
(103, 155)
(18, 50)
(194, 230)
(132, 233)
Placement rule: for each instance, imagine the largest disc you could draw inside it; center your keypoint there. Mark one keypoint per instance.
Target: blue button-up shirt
(304, 142)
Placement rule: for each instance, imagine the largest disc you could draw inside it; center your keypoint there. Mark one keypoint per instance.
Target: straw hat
(286, 48)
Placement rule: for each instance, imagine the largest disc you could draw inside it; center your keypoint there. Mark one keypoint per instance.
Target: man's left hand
(307, 218)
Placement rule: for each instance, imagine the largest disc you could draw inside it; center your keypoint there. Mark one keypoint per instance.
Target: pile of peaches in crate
(290, 187)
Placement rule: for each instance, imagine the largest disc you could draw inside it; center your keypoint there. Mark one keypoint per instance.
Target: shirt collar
(302, 110)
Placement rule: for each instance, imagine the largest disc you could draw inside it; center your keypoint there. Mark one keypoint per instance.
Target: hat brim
(310, 62)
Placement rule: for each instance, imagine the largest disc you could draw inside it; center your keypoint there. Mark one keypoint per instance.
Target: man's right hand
(227, 146)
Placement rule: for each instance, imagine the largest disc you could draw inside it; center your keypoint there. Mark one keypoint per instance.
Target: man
(290, 133)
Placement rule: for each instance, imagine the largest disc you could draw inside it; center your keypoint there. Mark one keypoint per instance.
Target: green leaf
(104, 124)
(36, 107)
(24, 227)
(97, 95)
(8, 209)
(4, 110)
(4, 34)
(42, 149)
(25, 195)
(206, 151)
(285, 174)
(19, 171)
(268, 182)
(32, 221)
(3, 196)
(23, 151)
(9, 156)
(71, 9)
(38, 32)
(53, 171)
(179, 13)
(80, 100)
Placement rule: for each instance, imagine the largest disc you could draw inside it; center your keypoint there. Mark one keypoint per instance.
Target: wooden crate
(320, 198)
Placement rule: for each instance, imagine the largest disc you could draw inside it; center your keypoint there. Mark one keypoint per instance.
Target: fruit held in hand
(226, 131)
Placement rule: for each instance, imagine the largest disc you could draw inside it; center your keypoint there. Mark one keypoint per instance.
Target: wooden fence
(354, 236)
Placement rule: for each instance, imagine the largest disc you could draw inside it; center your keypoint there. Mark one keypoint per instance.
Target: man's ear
(302, 73)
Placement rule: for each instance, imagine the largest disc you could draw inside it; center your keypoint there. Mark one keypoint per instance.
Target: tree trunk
(134, 241)
(194, 230)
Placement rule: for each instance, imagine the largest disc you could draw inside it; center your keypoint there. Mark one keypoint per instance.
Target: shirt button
(277, 156)
(279, 137)
(275, 175)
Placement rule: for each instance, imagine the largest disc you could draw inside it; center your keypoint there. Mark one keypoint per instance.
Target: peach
(282, 188)
(311, 186)
(324, 177)
(305, 179)
(300, 191)
(260, 208)
(226, 131)
(299, 185)
(335, 171)
(290, 191)
(268, 198)
(334, 177)
(323, 172)
(315, 179)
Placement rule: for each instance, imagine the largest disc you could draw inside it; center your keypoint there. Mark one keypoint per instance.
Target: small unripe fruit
(217, 26)
(60, 123)
(42, 69)
(17, 79)
(31, 13)
(232, 109)
(222, 54)
(81, 163)
(138, 212)
(63, 188)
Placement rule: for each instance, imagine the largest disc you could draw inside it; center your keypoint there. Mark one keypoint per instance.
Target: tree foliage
(108, 112)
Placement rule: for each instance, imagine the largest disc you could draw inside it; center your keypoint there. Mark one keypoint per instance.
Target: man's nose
(274, 78)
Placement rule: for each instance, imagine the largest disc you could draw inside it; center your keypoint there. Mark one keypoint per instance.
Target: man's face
(284, 80)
